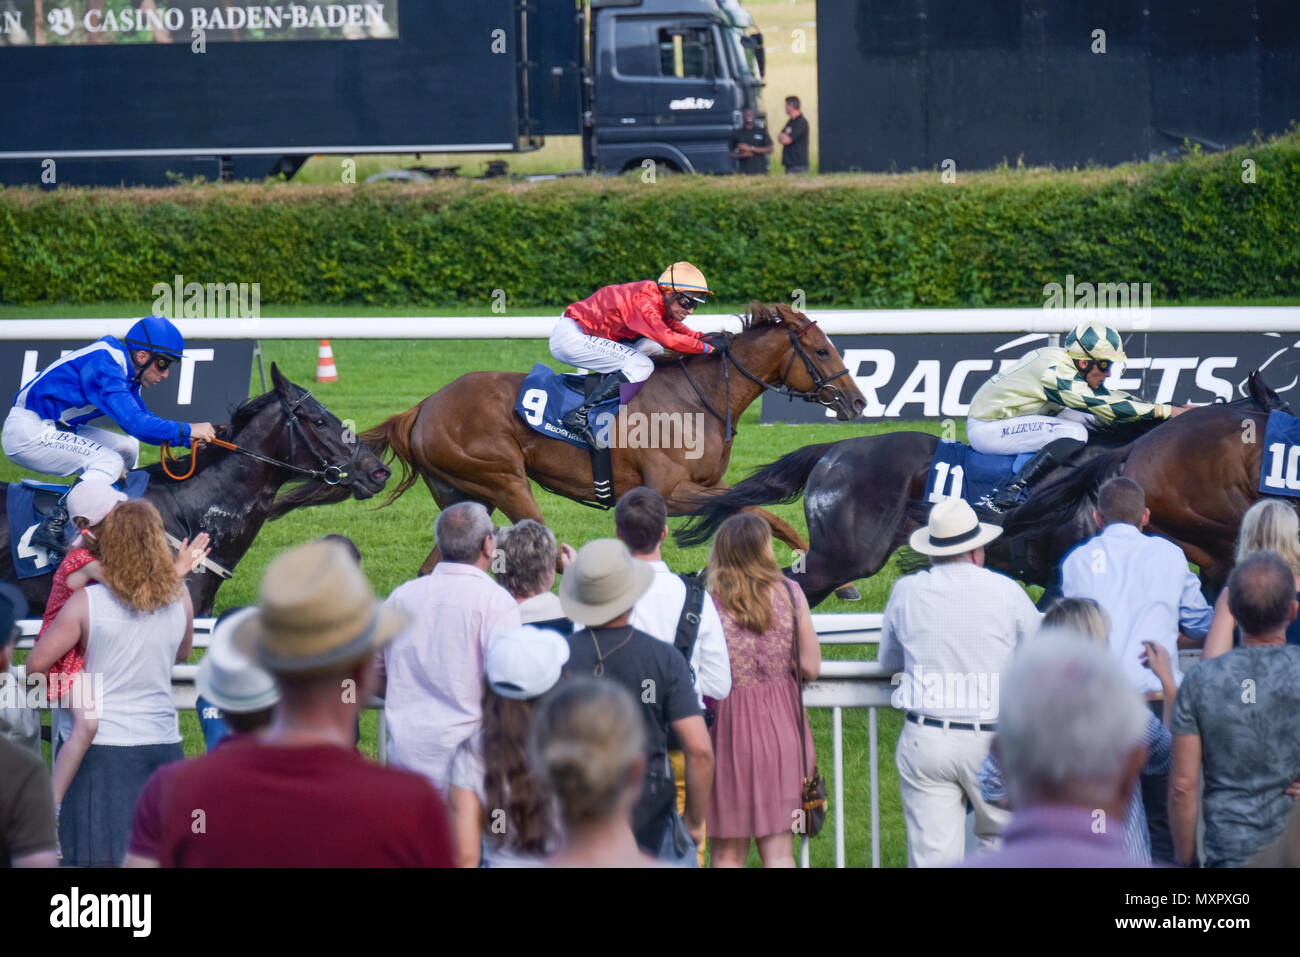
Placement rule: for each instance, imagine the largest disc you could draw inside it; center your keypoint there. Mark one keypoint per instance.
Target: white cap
(229, 678)
(525, 662)
(93, 500)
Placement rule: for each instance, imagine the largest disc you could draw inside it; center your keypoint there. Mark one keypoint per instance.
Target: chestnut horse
(863, 496)
(468, 444)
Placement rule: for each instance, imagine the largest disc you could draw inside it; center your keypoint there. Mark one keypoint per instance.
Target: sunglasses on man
(687, 301)
(163, 363)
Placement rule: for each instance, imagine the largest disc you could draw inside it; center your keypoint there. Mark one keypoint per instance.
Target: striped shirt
(1136, 836)
(1044, 382)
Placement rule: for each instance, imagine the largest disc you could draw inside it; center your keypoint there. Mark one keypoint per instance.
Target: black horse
(863, 497)
(282, 435)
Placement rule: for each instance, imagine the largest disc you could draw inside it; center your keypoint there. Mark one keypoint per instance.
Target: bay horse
(468, 444)
(863, 497)
(282, 434)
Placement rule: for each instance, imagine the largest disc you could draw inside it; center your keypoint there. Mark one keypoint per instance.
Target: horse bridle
(821, 383)
(329, 474)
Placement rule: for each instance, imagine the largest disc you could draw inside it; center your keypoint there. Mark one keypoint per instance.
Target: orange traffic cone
(325, 371)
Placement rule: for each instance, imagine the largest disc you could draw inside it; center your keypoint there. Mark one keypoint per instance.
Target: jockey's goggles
(163, 363)
(1102, 364)
(689, 301)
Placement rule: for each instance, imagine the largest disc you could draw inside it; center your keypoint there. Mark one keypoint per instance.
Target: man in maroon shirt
(617, 329)
(300, 795)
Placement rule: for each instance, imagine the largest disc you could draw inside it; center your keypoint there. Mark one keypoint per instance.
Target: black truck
(127, 92)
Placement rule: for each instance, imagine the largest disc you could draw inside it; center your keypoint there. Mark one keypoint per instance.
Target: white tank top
(134, 652)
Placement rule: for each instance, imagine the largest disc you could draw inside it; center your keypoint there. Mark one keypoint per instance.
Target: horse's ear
(282, 385)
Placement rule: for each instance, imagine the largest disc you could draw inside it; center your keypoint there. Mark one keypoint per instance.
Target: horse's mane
(758, 317)
(240, 416)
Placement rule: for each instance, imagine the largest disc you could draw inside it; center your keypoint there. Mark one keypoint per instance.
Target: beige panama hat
(603, 582)
(315, 611)
(952, 530)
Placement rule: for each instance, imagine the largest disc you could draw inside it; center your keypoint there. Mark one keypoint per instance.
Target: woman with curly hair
(132, 629)
(503, 814)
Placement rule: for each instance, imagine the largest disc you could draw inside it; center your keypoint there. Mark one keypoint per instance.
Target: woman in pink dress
(758, 779)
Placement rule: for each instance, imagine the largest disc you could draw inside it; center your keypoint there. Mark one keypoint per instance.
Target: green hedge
(1192, 229)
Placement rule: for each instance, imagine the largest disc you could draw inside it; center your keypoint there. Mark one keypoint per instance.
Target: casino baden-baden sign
(908, 378)
(118, 22)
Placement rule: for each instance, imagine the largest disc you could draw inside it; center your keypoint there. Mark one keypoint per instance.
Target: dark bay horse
(289, 434)
(863, 497)
(467, 443)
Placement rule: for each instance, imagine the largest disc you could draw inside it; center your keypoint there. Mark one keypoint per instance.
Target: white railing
(1280, 319)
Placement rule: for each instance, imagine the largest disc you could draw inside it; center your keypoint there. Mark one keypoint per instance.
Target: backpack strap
(688, 625)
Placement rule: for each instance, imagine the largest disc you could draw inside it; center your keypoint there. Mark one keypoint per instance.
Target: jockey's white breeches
(95, 454)
(1025, 433)
(570, 344)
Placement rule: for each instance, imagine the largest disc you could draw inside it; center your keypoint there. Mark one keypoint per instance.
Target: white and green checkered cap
(1095, 340)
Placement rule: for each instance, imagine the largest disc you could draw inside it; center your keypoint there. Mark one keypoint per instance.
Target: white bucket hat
(952, 530)
(525, 662)
(229, 678)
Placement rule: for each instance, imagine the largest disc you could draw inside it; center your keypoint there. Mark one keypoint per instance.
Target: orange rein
(194, 458)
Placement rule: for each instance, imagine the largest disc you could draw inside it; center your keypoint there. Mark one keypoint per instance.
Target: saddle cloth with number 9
(546, 396)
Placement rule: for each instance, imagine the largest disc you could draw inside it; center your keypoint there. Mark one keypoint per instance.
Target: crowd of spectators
(635, 716)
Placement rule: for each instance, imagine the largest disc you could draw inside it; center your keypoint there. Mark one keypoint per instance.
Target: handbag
(812, 795)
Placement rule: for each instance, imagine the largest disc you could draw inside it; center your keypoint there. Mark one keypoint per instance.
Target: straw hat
(603, 582)
(315, 611)
(952, 530)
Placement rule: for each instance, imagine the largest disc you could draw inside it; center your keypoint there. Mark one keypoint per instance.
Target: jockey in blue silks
(47, 431)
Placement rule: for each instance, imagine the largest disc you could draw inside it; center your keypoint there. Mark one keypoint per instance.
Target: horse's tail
(1057, 502)
(391, 439)
(779, 482)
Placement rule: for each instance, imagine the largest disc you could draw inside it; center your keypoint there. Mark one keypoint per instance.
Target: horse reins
(329, 474)
(820, 381)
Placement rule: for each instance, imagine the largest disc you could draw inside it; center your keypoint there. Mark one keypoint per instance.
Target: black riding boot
(1054, 453)
(576, 419)
(51, 533)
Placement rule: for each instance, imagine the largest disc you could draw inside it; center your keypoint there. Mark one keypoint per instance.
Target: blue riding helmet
(156, 335)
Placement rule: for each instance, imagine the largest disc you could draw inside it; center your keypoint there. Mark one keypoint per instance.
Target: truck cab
(669, 79)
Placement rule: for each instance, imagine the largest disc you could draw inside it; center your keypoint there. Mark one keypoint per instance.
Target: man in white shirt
(952, 631)
(434, 667)
(641, 523)
(1145, 586)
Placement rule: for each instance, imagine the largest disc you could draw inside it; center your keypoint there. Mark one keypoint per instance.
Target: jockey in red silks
(618, 329)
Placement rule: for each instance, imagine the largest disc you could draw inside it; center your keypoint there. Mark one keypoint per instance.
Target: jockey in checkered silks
(1045, 402)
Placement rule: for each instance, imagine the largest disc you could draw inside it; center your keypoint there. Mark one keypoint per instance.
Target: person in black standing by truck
(794, 138)
(751, 146)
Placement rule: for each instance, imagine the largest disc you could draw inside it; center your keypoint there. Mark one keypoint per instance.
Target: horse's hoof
(848, 593)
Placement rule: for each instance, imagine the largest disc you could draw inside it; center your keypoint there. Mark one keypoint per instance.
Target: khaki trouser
(678, 761)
